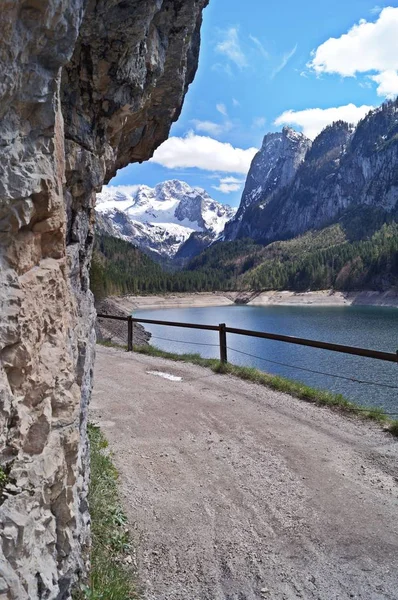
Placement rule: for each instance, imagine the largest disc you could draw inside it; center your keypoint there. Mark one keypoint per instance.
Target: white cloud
(366, 47)
(212, 128)
(222, 109)
(203, 152)
(231, 180)
(231, 48)
(259, 122)
(235, 102)
(229, 184)
(208, 127)
(388, 83)
(376, 10)
(313, 120)
(259, 46)
(285, 59)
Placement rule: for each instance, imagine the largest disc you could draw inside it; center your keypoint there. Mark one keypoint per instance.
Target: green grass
(3, 478)
(393, 427)
(109, 344)
(3, 483)
(111, 577)
(280, 384)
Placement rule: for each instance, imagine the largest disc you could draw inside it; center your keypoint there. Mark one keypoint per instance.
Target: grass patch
(196, 359)
(393, 427)
(3, 479)
(109, 344)
(112, 576)
(280, 384)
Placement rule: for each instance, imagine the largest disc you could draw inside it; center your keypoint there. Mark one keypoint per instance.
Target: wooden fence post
(130, 334)
(223, 343)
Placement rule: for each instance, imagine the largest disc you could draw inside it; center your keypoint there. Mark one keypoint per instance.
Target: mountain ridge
(160, 220)
(344, 167)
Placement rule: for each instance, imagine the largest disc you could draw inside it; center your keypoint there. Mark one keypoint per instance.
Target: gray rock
(348, 173)
(273, 168)
(86, 88)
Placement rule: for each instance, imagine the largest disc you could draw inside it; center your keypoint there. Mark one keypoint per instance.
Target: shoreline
(272, 298)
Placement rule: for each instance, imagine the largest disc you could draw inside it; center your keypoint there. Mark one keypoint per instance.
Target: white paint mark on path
(165, 375)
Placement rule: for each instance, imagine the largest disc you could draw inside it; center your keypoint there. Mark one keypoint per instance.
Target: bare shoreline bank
(273, 298)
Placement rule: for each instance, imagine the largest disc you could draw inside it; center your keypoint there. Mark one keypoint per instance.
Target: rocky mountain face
(87, 87)
(161, 220)
(273, 168)
(346, 169)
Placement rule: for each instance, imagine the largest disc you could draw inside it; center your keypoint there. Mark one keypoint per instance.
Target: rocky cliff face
(273, 168)
(346, 169)
(86, 88)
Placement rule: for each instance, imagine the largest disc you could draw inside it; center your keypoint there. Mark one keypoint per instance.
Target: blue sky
(266, 63)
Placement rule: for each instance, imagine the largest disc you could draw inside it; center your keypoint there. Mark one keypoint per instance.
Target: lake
(364, 326)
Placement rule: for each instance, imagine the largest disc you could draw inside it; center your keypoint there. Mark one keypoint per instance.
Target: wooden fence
(224, 330)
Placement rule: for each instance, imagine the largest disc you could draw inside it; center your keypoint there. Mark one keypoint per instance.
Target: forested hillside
(348, 266)
(119, 268)
(317, 260)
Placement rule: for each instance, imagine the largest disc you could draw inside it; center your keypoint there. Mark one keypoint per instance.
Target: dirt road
(237, 492)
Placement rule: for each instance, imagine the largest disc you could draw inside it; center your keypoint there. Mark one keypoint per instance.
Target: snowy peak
(172, 188)
(200, 208)
(162, 218)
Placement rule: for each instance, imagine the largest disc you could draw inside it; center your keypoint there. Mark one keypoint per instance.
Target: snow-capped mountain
(162, 218)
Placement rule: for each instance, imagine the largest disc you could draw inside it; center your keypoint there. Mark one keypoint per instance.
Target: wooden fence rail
(224, 330)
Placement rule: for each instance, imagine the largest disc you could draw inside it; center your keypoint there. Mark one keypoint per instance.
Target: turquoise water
(367, 327)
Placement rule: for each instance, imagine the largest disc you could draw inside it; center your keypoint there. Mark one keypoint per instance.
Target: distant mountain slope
(159, 220)
(344, 168)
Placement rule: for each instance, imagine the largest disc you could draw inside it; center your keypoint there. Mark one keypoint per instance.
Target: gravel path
(237, 492)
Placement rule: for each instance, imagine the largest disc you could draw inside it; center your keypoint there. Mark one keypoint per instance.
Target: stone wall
(86, 88)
